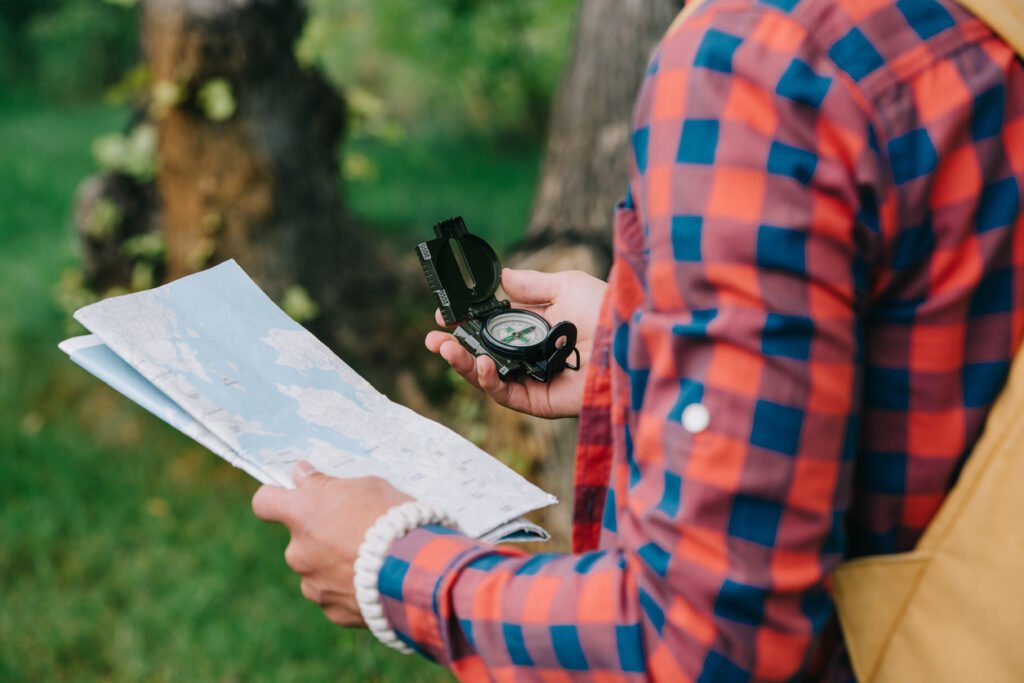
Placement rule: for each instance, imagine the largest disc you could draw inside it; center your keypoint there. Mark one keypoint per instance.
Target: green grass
(128, 553)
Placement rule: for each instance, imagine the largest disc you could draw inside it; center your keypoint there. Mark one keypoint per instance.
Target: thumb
(306, 476)
(530, 286)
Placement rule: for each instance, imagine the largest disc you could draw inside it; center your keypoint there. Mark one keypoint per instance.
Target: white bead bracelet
(389, 527)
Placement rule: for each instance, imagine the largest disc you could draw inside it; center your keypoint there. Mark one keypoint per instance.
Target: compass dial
(517, 329)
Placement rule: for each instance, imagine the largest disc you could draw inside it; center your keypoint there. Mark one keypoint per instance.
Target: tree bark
(585, 169)
(584, 173)
(260, 185)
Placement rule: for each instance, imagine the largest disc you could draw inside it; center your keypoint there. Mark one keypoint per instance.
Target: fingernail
(303, 469)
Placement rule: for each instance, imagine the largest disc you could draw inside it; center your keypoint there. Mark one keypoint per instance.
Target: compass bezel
(528, 352)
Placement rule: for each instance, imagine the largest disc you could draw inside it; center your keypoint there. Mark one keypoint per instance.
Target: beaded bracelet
(389, 527)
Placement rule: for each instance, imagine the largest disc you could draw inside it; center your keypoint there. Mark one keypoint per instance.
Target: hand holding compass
(569, 295)
(464, 273)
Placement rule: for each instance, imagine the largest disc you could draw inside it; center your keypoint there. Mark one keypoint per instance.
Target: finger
(347, 618)
(295, 559)
(306, 476)
(436, 338)
(440, 319)
(530, 286)
(459, 358)
(271, 503)
(511, 394)
(310, 592)
(487, 378)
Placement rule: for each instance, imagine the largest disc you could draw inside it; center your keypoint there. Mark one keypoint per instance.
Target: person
(816, 292)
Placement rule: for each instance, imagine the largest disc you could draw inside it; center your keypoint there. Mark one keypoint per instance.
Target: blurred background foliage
(442, 87)
(67, 49)
(452, 66)
(423, 79)
(128, 553)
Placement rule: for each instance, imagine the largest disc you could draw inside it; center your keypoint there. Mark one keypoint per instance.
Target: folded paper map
(214, 357)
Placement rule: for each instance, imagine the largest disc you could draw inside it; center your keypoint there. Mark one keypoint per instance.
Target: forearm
(476, 609)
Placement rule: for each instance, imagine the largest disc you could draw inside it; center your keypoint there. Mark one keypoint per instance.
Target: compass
(515, 332)
(463, 272)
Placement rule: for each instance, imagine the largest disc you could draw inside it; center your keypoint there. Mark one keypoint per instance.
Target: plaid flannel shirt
(822, 251)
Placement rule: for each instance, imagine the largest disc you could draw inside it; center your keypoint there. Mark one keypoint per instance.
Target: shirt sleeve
(738, 305)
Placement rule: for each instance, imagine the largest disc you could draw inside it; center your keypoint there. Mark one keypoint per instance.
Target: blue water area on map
(108, 366)
(231, 316)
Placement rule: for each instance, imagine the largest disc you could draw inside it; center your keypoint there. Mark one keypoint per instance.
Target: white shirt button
(696, 418)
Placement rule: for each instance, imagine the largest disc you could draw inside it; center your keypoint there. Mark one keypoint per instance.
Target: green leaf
(132, 86)
(104, 219)
(299, 304)
(143, 276)
(164, 95)
(217, 100)
(133, 155)
(149, 247)
(109, 150)
(201, 253)
(358, 167)
(70, 291)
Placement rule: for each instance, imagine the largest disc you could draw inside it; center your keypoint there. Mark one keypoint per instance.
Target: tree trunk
(248, 165)
(585, 169)
(584, 173)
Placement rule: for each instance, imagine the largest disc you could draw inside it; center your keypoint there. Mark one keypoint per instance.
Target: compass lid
(462, 270)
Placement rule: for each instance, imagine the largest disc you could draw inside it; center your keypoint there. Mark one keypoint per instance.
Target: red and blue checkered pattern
(822, 245)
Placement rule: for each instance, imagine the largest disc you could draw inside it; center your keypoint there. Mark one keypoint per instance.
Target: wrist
(389, 527)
